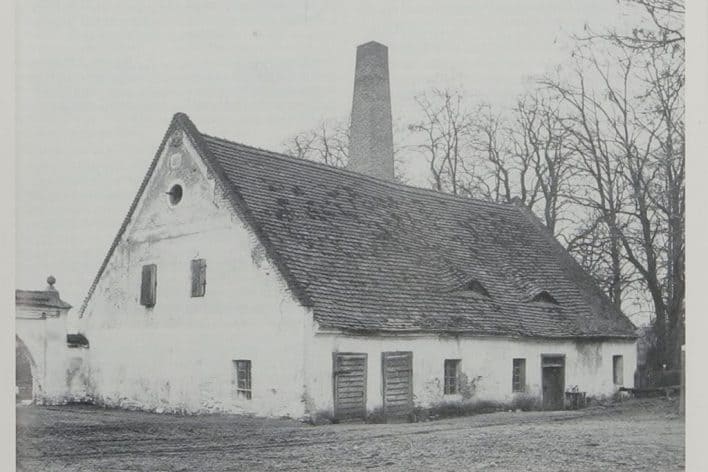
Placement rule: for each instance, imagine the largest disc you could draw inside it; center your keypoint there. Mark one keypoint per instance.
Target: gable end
(181, 121)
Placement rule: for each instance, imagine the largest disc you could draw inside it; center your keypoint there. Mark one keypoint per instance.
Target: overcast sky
(98, 83)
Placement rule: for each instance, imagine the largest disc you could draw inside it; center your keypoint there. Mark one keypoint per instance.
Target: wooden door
(553, 381)
(397, 369)
(349, 377)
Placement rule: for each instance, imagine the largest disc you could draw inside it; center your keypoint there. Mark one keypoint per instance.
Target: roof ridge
(385, 183)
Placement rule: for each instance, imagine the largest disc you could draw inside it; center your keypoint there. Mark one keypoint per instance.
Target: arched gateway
(41, 351)
(24, 370)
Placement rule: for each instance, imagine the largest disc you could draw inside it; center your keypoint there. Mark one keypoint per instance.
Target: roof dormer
(474, 286)
(544, 297)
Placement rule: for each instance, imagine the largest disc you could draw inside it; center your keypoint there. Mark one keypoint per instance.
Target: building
(45, 365)
(243, 280)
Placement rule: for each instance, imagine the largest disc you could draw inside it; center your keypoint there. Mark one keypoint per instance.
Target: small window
(518, 376)
(148, 286)
(242, 378)
(175, 194)
(452, 376)
(617, 370)
(545, 297)
(76, 340)
(198, 277)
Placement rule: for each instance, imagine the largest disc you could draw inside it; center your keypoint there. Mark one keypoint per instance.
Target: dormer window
(475, 286)
(545, 297)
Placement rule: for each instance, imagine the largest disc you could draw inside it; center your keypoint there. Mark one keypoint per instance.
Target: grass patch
(453, 409)
(321, 417)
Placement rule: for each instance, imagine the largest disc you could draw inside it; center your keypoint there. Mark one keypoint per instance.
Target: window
(452, 376)
(148, 286)
(545, 297)
(242, 378)
(518, 376)
(76, 340)
(617, 370)
(198, 277)
(175, 194)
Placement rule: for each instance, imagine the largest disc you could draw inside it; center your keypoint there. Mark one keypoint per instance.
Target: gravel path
(633, 436)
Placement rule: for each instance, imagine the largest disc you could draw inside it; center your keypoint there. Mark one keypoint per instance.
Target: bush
(526, 402)
(452, 409)
(375, 416)
(321, 417)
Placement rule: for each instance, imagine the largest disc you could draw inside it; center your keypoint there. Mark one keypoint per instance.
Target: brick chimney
(371, 131)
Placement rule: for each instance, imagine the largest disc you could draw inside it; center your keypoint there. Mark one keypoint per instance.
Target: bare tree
(328, 143)
(599, 187)
(484, 154)
(539, 143)
(655, 242)
(497, 168)
(661, 29)
(628, 144)
(445, 129)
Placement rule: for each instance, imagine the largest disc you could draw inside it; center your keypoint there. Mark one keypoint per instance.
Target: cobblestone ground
(636, 435)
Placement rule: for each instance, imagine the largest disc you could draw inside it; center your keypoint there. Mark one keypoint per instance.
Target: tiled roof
(372, 255)
(40, 299)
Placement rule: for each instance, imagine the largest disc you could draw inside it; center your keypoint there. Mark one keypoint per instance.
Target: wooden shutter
(243, 378)
(148, 286)
(617, 370)
(397, 369)
(451, 373)
(518, 380)
(198, 277)
(349, 376)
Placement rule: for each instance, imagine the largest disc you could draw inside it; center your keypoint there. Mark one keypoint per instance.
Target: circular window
(175, 194)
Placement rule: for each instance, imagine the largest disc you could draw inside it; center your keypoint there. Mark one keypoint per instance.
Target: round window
(175, 194)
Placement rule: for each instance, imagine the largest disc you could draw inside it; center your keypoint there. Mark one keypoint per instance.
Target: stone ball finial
(51, 280)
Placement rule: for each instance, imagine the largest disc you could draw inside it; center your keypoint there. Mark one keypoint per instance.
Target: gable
(159, 214)
(370, 255)
(206, 202)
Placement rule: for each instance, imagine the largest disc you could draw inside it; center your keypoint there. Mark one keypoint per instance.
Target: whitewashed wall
(587, 365)
(177, 355)
(55, 366)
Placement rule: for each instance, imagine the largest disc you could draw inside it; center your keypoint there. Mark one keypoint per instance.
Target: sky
(98, 82)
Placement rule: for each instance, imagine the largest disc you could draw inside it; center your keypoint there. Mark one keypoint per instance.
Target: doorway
(23, 371)
(553, 381)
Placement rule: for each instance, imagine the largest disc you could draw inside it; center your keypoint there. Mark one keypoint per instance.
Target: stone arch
(25, 372)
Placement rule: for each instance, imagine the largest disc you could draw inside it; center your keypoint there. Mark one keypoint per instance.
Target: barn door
(397, 369)
(349, 377)
(553, 381)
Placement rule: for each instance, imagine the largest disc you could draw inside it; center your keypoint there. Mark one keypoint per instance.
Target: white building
(46, 361)
(243, 280)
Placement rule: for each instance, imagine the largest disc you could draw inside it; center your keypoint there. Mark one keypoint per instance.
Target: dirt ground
(636, 435)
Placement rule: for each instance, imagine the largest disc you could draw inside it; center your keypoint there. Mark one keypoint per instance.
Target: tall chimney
(371, 131)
